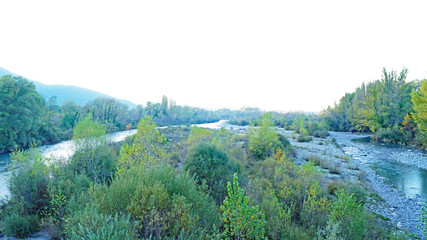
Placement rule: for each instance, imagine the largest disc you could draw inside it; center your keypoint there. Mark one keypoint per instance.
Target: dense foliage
(212, 166)
(389, 107)
(27, 119)
(264, 140)
(419, 99)
(22, 113)
(131, 190)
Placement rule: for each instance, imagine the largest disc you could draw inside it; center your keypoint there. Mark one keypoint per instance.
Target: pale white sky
(276, 55)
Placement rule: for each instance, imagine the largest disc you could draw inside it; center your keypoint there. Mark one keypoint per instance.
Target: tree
(147, 148)
(107, 111)
(419, 99)
(264, 140)
(241, 221)
(211, 164)
(93, 157)
(21, 112)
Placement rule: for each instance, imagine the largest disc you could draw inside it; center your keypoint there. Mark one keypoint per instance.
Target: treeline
(183, 183)
(392, 108)
(26, 118)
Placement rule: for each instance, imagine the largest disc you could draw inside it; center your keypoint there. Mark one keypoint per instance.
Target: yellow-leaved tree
(147, 149)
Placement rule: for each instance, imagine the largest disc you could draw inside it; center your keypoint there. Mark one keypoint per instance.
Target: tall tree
(419, 99)
(21, 111)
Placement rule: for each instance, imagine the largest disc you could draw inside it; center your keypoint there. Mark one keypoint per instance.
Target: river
(64, 149)
(394, 163)
(380, 157)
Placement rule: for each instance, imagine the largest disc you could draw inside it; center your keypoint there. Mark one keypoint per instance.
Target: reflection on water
(59, 151)
(214, 125)
(409, 179)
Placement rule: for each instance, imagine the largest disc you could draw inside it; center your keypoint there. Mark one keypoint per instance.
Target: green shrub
(90, 224)
(264, 140)
(240, 220)
(277, 218)
(165, 203)
(334, 168)
(68, 182)
(28, 184)
(304, 138)
(210, 164)
(98, 162)
(350, 215)
(423, 219)
(356, 190)
(20, 226)
(320, 133)
(318, 161)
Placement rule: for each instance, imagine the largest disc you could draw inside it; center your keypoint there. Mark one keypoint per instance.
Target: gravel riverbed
(402, 212)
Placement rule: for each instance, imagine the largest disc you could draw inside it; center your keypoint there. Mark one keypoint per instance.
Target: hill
(63, 92)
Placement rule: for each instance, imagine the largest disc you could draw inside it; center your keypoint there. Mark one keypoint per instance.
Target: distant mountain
(79, 95)
(5, 72)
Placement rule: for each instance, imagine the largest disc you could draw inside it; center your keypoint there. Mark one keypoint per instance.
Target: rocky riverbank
(392, 205)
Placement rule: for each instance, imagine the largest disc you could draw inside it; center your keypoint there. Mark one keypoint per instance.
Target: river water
(385, 159)
(62, 150)
(380, 157)
(388, 161)
(65, 149)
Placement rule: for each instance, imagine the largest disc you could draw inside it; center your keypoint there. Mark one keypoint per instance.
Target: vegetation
(21, 114)
(392, 108)
(419, 99)
(240, 220)
(264, 140)
(188, 182)
(211, 166)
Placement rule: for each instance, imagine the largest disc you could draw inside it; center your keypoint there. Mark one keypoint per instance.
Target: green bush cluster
(264, 140)
(88, 223)
(349, 214)
(210, 165)
(268, 197)
(164, 203)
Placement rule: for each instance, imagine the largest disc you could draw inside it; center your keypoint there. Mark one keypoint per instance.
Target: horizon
(276, 56)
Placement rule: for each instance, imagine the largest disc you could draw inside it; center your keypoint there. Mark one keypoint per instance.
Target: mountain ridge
(63, 93)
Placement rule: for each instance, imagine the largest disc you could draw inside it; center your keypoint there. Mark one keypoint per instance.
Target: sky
(275, 55)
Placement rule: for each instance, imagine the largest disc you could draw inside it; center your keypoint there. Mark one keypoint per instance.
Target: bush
(97, 163)
(350, 215)
(212, 165)
(423, 219)
(304, 138)
(20, 226)
(28, 185)
(263, 141)
(165, 203)
(240, 220)
(321, 133)
(90, 224)
(357, 191)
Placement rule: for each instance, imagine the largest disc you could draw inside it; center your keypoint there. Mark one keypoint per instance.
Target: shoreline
(400, 211)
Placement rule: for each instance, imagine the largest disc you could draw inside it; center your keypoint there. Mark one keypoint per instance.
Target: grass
(333, 168)
(382, 217)
(376, 197)
(353, 166)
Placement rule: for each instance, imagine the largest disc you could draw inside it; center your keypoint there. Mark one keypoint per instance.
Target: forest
(185, 182)
(392, 108)
(27, 119)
